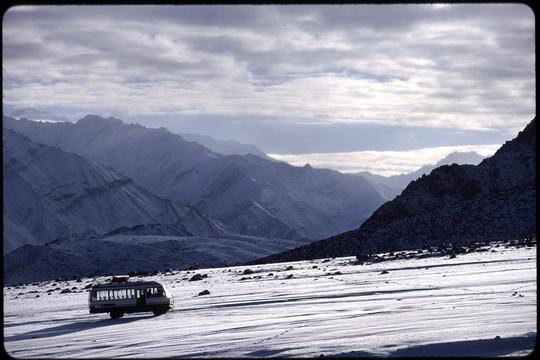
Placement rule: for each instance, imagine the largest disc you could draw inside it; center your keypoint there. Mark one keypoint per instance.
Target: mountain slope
(124, 252)
(495, 200)
(49, 193)
(249, 194)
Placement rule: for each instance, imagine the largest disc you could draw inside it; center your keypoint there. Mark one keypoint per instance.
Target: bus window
(154, 292)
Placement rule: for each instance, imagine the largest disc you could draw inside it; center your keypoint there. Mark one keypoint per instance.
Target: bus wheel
(116, 314)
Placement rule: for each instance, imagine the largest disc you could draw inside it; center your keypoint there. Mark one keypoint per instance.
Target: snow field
(428, 306)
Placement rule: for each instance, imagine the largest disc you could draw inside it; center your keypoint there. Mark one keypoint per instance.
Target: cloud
(462, 66)
(384, 163)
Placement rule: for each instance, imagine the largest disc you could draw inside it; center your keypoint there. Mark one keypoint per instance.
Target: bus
(119, 298)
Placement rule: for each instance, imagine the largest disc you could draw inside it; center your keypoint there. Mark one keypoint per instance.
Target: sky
(309, 83)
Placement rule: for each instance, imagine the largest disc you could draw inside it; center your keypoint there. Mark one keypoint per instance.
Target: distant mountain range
(31, 113)
(66, 216)
(225, 147)
(101, 196)
(249, 194)
(49, 194)
(458, 204)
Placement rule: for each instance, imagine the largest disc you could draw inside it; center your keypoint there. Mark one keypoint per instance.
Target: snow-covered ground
(481, 303)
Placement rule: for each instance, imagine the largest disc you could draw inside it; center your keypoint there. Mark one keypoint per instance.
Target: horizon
(406, 161)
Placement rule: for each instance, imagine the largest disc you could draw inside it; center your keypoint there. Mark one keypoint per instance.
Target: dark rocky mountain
(249, 194)
(458, 204)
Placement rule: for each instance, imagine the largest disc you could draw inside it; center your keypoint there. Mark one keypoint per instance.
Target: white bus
(129, 297)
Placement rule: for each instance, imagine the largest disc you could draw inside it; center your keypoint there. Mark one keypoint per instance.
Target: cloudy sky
(339, 85)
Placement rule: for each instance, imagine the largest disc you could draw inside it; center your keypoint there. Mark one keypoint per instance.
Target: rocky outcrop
(494, 200)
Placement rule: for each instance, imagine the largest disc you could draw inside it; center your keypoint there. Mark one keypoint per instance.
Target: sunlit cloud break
(386, 163)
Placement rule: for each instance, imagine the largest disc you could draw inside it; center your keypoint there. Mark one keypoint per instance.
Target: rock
(362, 257)
(248, 271)
(383, 272)
(196, 277)
(205, 292)
(289, 276)
(65, 291)
(289, 268)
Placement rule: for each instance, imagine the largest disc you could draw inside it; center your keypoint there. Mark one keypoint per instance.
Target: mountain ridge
(453, 204)
(248, 194)
(49, 193)
(391, 186)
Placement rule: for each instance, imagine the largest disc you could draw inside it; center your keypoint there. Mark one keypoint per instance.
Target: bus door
(141, 298)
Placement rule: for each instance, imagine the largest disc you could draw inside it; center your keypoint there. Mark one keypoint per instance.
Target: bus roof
(126, 284)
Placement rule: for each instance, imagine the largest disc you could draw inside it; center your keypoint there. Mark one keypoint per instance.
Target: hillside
(121, 252)
(495, 200)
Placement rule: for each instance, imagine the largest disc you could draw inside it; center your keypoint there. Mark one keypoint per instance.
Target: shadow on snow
(73, 327)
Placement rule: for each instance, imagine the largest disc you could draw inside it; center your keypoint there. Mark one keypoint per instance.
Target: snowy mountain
(249, 194)
(479, 304)
(495, 200)
(32, 113)
(225, 147)
(392, 186)
(49, 194)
